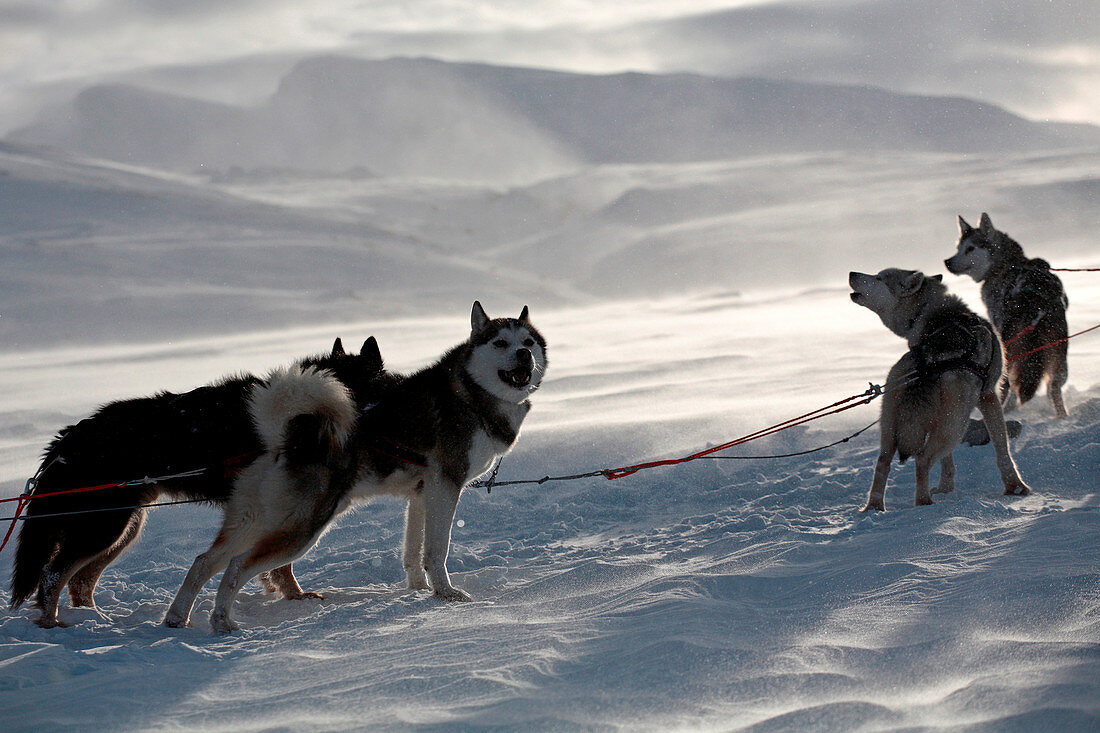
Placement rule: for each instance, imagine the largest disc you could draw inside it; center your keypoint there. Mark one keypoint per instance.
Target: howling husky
(1025, 302)
(954, 363)
(425, 437)
(206, 433)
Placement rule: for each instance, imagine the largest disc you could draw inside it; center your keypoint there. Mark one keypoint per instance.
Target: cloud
(1038, 58)
(1033, 56)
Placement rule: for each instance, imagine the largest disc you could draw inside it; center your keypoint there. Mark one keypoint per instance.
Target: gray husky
(1025, 302)
(426, 435)
(953, 364)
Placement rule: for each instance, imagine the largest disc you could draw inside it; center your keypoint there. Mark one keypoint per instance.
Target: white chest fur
(484, 449)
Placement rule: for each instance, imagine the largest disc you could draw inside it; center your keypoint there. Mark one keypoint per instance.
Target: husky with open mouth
(953, 365)
(424, 438)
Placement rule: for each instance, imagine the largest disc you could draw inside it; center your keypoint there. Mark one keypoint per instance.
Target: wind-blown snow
(685, 303)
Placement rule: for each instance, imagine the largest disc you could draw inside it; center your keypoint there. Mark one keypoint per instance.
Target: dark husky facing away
(1026, 303)
(208, 428)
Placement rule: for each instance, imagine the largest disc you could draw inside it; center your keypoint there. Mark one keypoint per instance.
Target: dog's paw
(175, 621)
(302, 595)
(222, 624)
(453, 594)
(417, 580)
(923, 499)
(50, 623)
(1020, 489)
(874, 505)
(944, 489)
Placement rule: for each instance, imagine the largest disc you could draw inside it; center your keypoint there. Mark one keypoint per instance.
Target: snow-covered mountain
(420, 117)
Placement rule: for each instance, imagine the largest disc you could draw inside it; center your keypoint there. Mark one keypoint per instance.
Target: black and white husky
(425, 437)
(206, 433)
(1026, 303)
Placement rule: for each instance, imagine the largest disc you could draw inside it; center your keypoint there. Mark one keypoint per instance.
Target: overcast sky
(1040, 58)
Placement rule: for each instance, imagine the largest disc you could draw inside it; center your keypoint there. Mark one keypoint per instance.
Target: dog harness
(954, 342)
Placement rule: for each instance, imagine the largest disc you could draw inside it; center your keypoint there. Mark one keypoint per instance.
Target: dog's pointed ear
(371, 352)
(478, 319)
(965, 229)
(338, 348)
(986, 224)
(912, 283)
(524, 315)
(937, 278)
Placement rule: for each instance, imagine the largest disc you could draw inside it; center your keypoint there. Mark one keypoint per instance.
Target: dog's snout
(525, 357)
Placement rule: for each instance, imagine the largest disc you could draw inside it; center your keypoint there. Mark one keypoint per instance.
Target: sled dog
(423, 439)
(207, 432)
(954, 362)
(1027, 305)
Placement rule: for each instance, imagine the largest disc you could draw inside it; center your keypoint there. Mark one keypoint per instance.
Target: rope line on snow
(873, 392)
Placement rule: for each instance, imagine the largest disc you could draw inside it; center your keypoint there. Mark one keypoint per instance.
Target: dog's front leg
(413, 557)
(440, 502)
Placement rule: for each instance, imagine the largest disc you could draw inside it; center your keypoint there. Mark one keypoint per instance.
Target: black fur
(1027, 304)
(437, 409)
(207, 428)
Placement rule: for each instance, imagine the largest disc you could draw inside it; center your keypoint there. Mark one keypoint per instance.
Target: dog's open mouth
(517, 378)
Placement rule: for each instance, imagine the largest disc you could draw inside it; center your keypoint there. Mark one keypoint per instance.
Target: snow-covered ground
(685, 303)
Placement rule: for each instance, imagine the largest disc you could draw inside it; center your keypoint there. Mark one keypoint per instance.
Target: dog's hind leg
(938, 448)
(998, 434)
(413, 557)
(282, 578)
(83, 583)
(944, 434)
(947, 475)
(55, 576)
(82, 544)
(268, 583)
(277, 549)
(202, 570)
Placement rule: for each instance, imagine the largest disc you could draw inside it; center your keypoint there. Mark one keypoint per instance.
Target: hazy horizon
(1034, 58)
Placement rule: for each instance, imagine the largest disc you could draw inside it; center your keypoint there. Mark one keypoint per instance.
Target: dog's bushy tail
(35, 547)
(304, 415)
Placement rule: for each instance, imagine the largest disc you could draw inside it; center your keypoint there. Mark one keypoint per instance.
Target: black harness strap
(961, 341)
